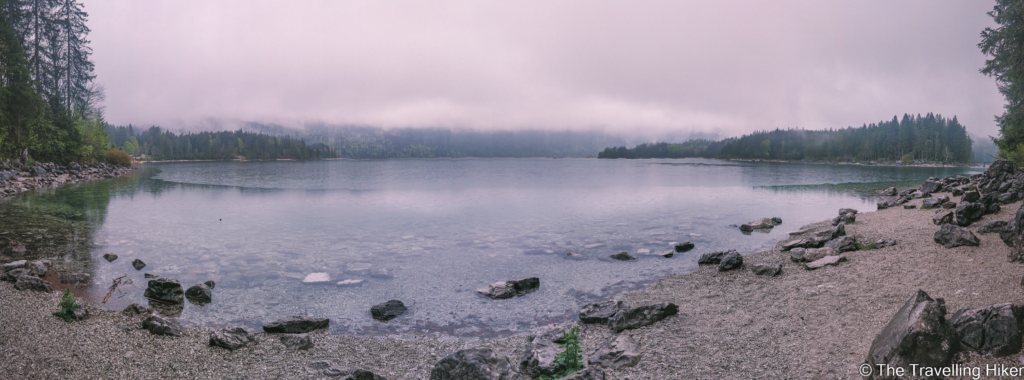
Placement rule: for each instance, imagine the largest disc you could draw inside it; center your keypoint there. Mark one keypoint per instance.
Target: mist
(664, 70)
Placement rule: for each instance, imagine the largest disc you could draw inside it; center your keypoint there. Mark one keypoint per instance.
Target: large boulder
(943, 217)
(1016, 237)
(199, 294)
(970, 196)
(165, 290)
(993, 226)
(842, 244)
(159, 325)
(297, 324)
(641, 316)
(620, 351)
(473, 364)
(968, 212)
(995, 329)
(231, 338)
(599, 312)
(917, 335)
(388, 310)
(511, 288)
(714, 257)
(1000, 167)
(955, 236)
(731, 261)
(930, 187)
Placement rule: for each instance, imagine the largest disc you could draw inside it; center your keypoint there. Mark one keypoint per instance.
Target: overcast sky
(730, 67)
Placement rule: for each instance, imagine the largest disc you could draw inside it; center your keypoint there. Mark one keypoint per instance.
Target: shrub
(67, 306)
(118, 157)
(863, 247)
(570, 360)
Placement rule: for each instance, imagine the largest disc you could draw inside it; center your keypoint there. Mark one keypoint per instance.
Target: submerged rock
(387, 311)
(760, 224)
(512, 288)
(210, 284)
(622, 256)
(110, 257)
(136, 310)
(199, 294)
(138, 264)
(317, 278)
(297, 324)
(684, 247)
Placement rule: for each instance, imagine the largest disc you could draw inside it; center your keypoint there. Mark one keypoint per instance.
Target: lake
(442, 228)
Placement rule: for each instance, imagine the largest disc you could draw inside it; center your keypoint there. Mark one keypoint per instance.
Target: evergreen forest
(928, 138)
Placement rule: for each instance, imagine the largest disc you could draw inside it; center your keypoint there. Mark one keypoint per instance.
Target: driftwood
(113, 287)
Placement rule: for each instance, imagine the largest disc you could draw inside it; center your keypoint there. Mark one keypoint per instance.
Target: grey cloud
(657, 67)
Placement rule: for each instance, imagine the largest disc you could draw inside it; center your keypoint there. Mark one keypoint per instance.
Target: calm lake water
(441, 227)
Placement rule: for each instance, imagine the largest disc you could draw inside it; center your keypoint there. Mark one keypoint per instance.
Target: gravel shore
(731, 325)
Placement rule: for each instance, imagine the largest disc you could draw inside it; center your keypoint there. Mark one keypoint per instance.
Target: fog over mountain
(662, 70)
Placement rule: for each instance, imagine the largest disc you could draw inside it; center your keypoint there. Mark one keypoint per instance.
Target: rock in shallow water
(317, 278)
(622, 256)
(683, 247)
(199, 294)
(136, 310)
(138, 264)
(714, 257)
(110, 257)
(165, 290)
(297, 324)
(387, 311)
(32, 283)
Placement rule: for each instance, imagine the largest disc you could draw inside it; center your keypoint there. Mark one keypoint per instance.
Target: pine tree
(1005, 46)
(76, 68)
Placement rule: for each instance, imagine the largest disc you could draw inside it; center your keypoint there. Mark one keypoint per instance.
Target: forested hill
(929, 138)
(157, 144)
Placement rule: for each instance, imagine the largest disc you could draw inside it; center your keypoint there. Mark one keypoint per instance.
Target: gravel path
(733, 325)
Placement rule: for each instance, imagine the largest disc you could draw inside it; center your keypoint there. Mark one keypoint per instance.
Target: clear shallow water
(442, 227)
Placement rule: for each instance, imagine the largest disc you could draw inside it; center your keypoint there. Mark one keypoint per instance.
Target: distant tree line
(157, 144)
(49, 104)
(371, 142)
(929, 138)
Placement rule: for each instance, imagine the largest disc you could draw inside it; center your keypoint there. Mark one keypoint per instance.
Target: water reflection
(440, 229)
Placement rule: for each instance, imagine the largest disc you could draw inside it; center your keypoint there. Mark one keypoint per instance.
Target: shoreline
(801, 324)
(14, 181)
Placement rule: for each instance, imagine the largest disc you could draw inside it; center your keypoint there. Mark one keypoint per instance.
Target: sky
(625, 67)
